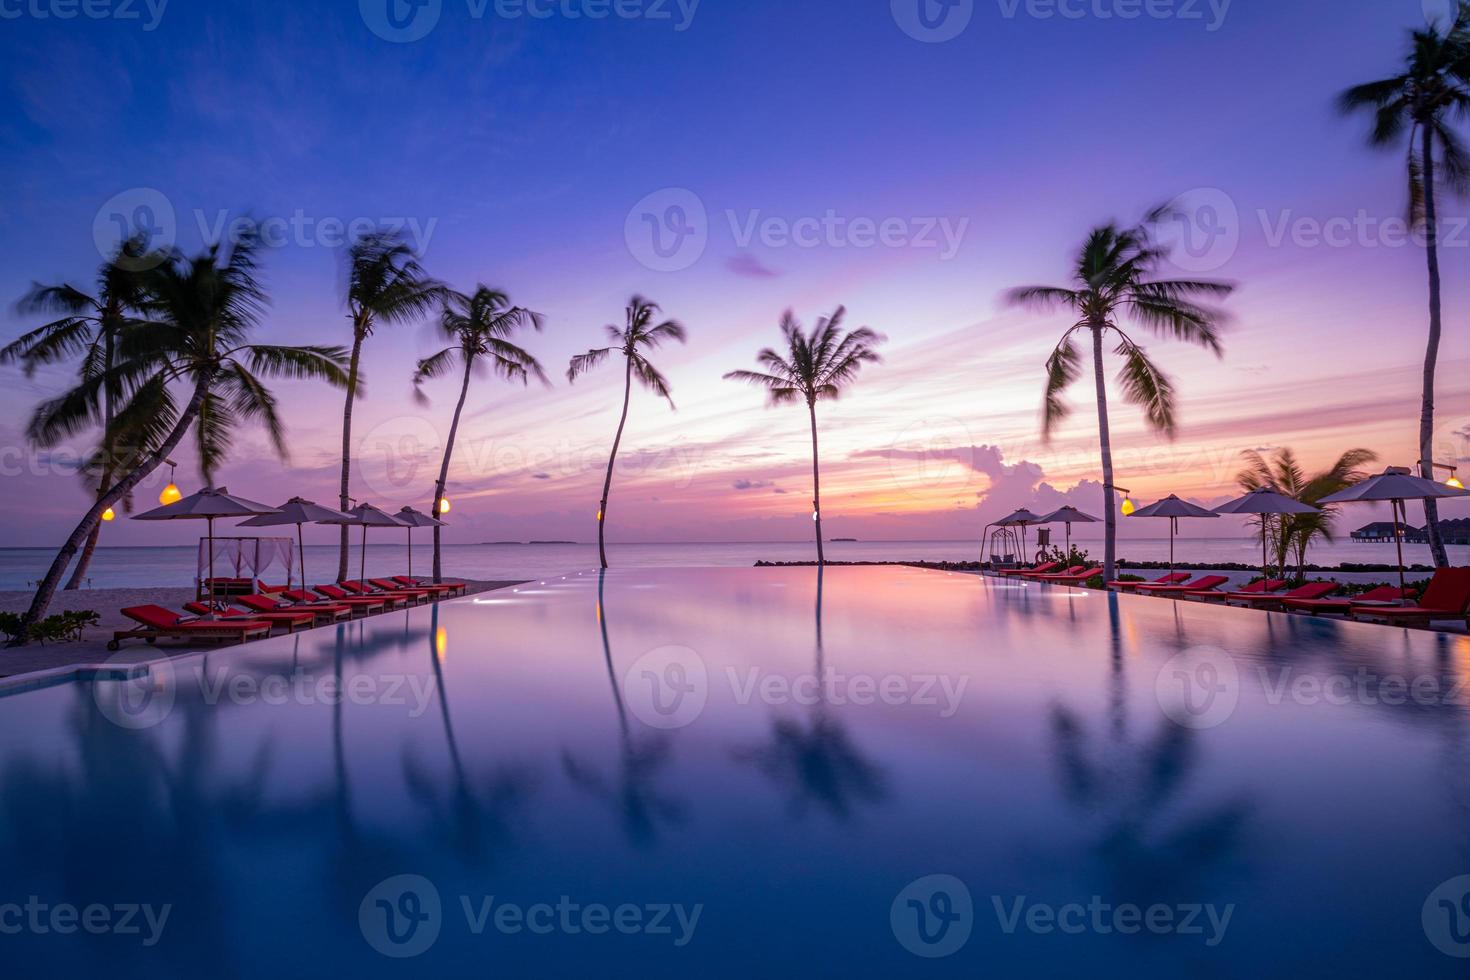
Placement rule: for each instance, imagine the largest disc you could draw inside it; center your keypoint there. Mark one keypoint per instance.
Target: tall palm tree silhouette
(817, 367)
(385, 284)
(1113, 274)
(93, 327)
(480, 325)
(1432, 88)
(638, 335)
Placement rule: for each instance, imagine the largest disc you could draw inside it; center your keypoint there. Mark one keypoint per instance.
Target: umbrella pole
(410, 552)
(301, 554)
(1265, 562)
(362, 558)
(1069, 540)
(1173, 528)
(1398, 537)
(210, 585)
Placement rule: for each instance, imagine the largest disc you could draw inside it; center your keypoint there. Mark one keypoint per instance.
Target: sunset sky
(532, 154)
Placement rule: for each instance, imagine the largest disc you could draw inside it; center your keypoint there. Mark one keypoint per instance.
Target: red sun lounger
(159, 623)
(1070, 578)
(365, 606)
(1206, 584)
(389, 585)
(1042, 569)
(459, 587)
(1310, 592)
(414, 596)
(1252, 591)
(290, 620)
(1342, 607)
(1178, 578)
(342, 595)
(1448, 597)
(323, 612)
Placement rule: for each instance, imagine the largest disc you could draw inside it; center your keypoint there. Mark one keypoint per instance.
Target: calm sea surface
(139, 567)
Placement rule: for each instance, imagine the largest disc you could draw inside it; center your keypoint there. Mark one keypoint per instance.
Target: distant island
(526, 543)
(843, 540)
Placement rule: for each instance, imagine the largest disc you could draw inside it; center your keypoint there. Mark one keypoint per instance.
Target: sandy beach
(92, 649)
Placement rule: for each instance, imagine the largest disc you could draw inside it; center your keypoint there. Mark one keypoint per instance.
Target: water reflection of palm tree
(818, 762)
(476, 824)
(637, 799)
(1127, 788)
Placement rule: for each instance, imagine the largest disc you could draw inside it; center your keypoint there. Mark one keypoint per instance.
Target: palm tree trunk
(151, 462)
(1105, 440)
(811, 406)
(1431, 356)
(79, 574)
(607, 483)
(346, 500)
(464, 391)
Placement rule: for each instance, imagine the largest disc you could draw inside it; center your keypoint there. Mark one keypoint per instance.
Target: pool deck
(23, 668)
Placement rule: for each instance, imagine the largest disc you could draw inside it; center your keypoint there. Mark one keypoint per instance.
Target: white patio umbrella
(366, 515)
(1068, 516)
(298, 511)
(1396, 485)
(207, 505)
(1261, 502)
(1173, 508)
(411, 519)
(1022, 519)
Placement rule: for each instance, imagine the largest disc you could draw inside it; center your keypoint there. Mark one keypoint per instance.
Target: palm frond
(1063, 367)
(582, 363)
(1146, 386)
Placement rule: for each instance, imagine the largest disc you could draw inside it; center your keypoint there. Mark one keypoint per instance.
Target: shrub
(66, 627)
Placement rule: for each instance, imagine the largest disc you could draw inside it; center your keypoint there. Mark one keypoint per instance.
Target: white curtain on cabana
(247, 557)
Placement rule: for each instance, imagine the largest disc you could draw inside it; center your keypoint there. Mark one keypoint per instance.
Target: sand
(92, 649)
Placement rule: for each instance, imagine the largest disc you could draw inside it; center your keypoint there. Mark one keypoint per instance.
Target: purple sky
(821, 155)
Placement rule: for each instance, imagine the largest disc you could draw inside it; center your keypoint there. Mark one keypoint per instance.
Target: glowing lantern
(441, 642)
(170, 493)
(1454, 482)
(443, 505)
(816, 516)
(108, 515)
(1128, 507)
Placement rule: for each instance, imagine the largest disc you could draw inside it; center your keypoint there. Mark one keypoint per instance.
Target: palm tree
(480, 323)
(1112, 275)
(1292, 534)
(1433, 87)
(815, 368)
(89, 326)
(386, 284)
(638, 334)
(204, 310)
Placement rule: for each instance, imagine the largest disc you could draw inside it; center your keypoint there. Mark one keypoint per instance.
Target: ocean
(162, 566)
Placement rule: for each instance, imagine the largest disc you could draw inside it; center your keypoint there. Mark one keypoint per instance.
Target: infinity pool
(753, 772)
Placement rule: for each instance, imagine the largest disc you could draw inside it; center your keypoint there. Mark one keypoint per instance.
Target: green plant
(11, 625)
(1068, 559)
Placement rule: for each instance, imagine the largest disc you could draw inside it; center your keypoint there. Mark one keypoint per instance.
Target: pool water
(739, 772)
